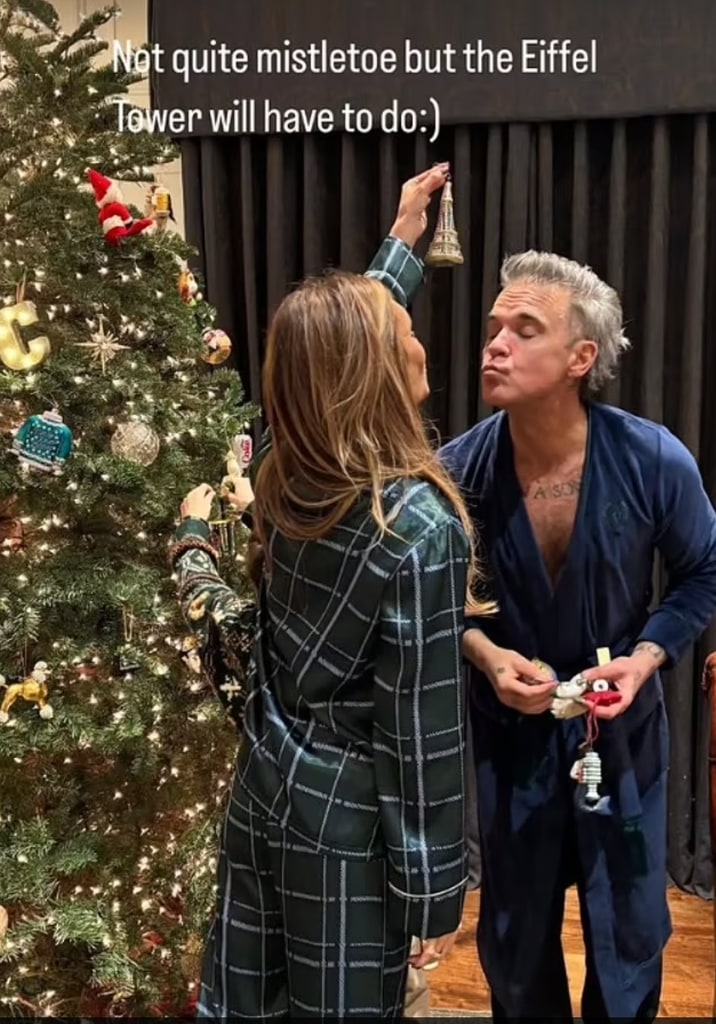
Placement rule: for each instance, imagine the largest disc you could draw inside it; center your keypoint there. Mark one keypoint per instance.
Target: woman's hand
(411, 218)
(432, 951)
(197, 504)
(239, 494)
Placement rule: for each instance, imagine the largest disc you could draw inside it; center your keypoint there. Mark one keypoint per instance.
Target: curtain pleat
(580, 194)
(635, 199)
(651, 395)
(492, 247)
(688, 411)
(251, 329)
(545, 189)
(457, 370)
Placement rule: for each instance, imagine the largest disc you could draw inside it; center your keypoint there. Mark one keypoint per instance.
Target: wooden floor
(688, 964)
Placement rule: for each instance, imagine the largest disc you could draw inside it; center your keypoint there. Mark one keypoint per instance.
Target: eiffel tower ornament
(444, 250)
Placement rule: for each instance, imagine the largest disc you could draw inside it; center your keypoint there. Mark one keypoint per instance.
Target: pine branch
(86, 29)
(81, 57)
(40, 9)
(19, 626)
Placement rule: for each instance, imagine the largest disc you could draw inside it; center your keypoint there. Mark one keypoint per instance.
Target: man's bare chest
(552, 504)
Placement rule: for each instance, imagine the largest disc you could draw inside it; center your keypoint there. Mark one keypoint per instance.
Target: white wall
(132, 25)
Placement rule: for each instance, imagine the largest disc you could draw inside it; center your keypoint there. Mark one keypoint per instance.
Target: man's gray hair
(596, 307)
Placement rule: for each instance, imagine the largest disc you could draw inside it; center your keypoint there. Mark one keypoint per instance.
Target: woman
(348, 792)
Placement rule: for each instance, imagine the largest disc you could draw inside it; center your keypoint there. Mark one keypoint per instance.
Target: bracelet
(188, 544)
(197, 580)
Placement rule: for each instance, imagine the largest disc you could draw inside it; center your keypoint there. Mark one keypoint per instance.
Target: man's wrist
(648, 657)
(476, 647)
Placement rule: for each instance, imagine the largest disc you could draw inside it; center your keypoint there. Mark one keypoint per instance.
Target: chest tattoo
(556, 489)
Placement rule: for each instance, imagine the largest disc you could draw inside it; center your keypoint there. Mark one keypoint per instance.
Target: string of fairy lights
(89, 671)
(204, 860)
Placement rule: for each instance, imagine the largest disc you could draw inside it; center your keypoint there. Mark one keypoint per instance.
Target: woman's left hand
(197, 504)
(432, 951)
(241, 496)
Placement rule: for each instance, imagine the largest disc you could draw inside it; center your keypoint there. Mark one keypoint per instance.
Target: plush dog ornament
(577, 696)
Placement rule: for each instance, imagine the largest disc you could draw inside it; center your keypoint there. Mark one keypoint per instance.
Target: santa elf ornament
(114, 216)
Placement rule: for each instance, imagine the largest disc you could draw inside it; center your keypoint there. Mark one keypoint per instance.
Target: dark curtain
(636, 199)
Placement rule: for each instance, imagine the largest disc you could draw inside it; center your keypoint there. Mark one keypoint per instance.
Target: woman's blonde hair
(337, 396)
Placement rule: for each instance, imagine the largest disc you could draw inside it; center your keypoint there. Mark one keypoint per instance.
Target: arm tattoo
(646, 647)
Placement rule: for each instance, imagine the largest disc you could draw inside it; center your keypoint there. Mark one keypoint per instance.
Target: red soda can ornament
(244, 449)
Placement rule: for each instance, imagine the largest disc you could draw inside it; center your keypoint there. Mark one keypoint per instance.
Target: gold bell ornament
(444, 250)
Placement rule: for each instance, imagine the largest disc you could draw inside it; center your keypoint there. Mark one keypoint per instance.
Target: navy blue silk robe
(641, 493)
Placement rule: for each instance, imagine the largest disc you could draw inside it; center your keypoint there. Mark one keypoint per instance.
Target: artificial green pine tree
(109, 799)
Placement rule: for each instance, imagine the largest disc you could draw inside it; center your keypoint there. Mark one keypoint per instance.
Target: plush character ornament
(188, 286)
(33, 690)
(116, 220)
(577, 696)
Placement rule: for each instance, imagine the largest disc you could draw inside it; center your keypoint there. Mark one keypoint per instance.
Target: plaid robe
(349, 786)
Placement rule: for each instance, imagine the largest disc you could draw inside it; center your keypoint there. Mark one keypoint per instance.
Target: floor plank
(688, 963)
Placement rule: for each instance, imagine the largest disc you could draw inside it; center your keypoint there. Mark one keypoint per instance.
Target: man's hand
(411, 218)
(628, 675)
(518, 683)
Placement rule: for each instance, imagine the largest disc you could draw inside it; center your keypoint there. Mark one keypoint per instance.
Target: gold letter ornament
(15, 352)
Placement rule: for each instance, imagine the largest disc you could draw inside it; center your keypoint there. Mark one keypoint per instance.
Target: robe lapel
(525, 585)
(568, 603)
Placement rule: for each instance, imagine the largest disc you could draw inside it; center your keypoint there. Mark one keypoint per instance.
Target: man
(572, 499)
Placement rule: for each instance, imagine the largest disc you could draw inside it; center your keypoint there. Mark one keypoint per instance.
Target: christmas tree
(116, 398)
